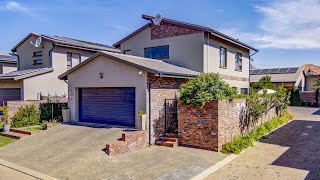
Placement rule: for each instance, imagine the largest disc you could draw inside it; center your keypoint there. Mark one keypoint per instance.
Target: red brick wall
(213, 125)
(309, 97)
(198, 127)
(129, 142)
(166, 30)
(166, 82)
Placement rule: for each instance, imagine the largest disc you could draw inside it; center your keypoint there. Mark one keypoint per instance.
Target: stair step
(171, 135)
(171, 139)
(13, 135)
(166, 143)
(21, 131)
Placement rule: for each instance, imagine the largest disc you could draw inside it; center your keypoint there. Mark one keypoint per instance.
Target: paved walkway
(75, 152)
(9, 174)
(292, 152)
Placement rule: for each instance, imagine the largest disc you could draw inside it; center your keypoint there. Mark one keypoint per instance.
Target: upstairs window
(37, 62)
(37, 54)
(238, 60)
(223, 57)
(160, 52)
(73, 59)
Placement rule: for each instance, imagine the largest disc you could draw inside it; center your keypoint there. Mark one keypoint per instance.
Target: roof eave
(33, 74)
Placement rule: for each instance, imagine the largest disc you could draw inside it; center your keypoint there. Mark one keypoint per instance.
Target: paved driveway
(292, 152)
(75, 152)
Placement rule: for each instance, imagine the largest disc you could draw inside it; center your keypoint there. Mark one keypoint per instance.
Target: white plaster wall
(185, 51)
(116, 74)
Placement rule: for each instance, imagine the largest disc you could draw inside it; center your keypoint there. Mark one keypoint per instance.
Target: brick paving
(76, 152)
(9, 174)
(292, 152)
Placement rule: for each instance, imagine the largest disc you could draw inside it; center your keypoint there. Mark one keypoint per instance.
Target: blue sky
(287, 32)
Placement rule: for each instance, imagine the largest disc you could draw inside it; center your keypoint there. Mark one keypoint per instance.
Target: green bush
(5, 112)
(51, 111)
(246, 140)
(205, 88)
(264, 83)
(26, 116)
(295, 98)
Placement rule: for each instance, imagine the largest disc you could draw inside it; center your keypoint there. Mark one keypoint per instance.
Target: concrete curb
(26, 171)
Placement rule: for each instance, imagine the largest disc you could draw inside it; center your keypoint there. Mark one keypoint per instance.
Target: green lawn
(33, 128)
(5, 140)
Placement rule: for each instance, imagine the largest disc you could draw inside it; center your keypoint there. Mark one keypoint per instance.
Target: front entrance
(171, 116)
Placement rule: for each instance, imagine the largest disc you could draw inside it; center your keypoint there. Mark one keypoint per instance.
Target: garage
(9, 94)
(115, 105)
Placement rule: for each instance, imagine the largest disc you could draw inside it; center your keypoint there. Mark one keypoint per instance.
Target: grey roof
(203, 28)
(66, 41)
(8, 58)
(279, 77)
(22, 74)
(150, 65)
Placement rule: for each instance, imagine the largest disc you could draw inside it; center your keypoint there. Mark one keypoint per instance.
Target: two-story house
(192, 46)
(40, 65)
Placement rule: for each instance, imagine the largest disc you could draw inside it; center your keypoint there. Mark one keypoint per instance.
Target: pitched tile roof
(76, 43)
(22, 74)
(150, 65)
(8, 58)
(279, 77)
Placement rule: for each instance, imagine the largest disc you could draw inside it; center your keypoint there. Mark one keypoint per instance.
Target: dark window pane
(161, 52)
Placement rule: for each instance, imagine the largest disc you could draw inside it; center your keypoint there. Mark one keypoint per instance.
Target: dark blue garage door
(114, 106)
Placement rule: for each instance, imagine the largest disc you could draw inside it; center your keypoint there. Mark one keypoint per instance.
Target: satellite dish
(157, 19)
(37, 43)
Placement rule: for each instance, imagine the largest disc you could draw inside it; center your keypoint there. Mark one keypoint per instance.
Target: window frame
(69, 59)
(225, 57)
(155, 47)
(35, 54)
(35, 61)
(127, 50)
(236, 61)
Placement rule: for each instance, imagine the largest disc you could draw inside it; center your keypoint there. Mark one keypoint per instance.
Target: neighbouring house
(111, 87)
(192, 46)
(39, 66)
(302, 77)
(289, 77)
(8, 62)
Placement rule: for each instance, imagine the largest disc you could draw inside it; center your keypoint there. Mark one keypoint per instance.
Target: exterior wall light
(101, 75)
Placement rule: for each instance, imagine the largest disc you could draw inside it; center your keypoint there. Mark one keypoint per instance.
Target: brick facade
(166, 82)
(130, 141)
(309, 97)
(166, 30)
(215, 124)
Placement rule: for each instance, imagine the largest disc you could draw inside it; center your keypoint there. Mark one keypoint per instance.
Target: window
(37, 62)
(127, 52)
(37, 54)
(223, 57)
(161, 52)
(73, 59)
(238, 59)
(244, 91)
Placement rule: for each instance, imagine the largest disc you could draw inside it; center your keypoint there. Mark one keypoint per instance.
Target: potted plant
(5, 118)
(66, 114)
(141, 120)
(6, 126)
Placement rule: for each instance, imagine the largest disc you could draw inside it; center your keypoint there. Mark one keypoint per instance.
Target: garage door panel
(10, 94)
(108, 105)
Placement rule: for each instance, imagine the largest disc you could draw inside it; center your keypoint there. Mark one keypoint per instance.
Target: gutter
(250, 68)
(50, 52)
(149, 90)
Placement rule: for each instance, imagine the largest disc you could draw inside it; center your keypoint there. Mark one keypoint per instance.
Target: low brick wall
(198, 127)
(309, 97)
(215, 124)
(13, 106)
(129, 142)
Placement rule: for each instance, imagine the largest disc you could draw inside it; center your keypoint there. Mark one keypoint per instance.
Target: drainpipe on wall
(50, 52)
(18, 60)
(250, 66)
(149, 90)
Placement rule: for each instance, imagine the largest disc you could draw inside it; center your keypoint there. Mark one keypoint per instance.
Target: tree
(205, 88)
(264, 83)
(317, 82)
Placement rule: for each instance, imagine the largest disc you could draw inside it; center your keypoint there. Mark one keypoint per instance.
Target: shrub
(205, 88)
(51, 111)
(295, 98)
(5, 113)
(246, 140)
(26, 116)
(264, 83)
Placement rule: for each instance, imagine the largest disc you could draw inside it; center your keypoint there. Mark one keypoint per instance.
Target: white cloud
(15, 7)
(285, 24)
